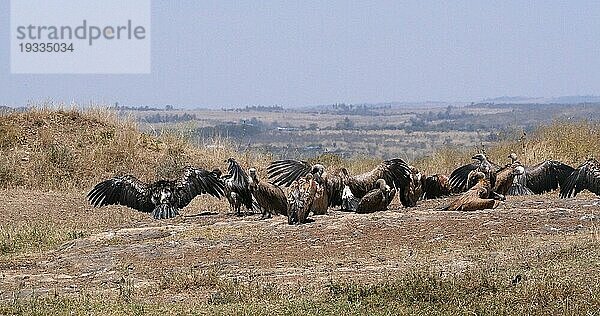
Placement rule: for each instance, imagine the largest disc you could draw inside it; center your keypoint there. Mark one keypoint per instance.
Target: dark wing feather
(284, 172)
(587, 176)
(334, 187)
(240, 183)
(194, 182)
(460, 176)
(395, 172)
(519, 186)
(547, 176)
(125, 190)
(435, 186)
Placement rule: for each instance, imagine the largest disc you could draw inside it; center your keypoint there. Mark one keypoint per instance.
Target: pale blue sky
(230, 53)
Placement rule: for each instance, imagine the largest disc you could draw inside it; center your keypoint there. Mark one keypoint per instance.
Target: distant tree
(346, 123)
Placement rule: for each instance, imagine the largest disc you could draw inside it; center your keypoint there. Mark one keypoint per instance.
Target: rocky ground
(116, 251)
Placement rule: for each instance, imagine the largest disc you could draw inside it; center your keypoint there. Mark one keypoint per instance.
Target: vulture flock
(297, 189)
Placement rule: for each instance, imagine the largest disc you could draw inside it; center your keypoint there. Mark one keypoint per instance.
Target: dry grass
(72, 149)
(569, 142)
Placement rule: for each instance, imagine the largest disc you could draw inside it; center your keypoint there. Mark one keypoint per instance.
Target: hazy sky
(229, 53)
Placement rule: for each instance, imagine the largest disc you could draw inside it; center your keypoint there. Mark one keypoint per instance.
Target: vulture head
(382, 185)
(478, 176)
(217, 172)
(512, 157)
(480, 157)
(253, 181)
(318, 170)
(163, 193)
(253, 176)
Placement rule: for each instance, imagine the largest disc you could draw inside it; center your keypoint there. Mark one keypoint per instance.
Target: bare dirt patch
(114, 250)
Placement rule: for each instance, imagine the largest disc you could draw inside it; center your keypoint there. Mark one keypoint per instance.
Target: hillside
(72, 150)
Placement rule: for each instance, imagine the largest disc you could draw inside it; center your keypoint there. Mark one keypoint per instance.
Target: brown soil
(160, 258)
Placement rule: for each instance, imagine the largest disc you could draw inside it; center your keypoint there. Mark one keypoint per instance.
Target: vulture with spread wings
(585, 177)
(237, 188)
(163, 198)
(395, 172)
(544, 177)
(461, 179)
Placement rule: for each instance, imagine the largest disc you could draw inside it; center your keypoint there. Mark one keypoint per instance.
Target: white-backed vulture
(377, 199)
(544, 177)
(300, 198)
(269, 197)
(163, 198)
(436, 186)
(414, 190)
(476, 198)
(395, 172)
(585, 177)
(505, 177)
(462, 178)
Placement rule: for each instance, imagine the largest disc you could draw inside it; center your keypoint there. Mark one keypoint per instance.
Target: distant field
(409, 133)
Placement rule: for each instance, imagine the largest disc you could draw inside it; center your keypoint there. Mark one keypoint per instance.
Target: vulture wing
(240, 182)
(504, 179)
(547, 176)
(459, 178)
(395, 172)
(587, 176)
(194, 182)
(519, 186)
(126, 190)
(284, 172)
(334, 187)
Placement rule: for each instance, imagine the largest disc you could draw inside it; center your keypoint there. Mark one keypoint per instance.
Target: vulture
(544, 177)
(585, 177)
(269, 197)
(505, 178)
(163, 198)
(414, 189)
(436, 186)
(349, 201)
(462, 178)
(395, 172)
(300, 198)
(476, 198)
(377, 199)
(237, 189)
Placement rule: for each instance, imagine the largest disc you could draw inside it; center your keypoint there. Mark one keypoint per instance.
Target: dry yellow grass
(73, 149)
(569, 142)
